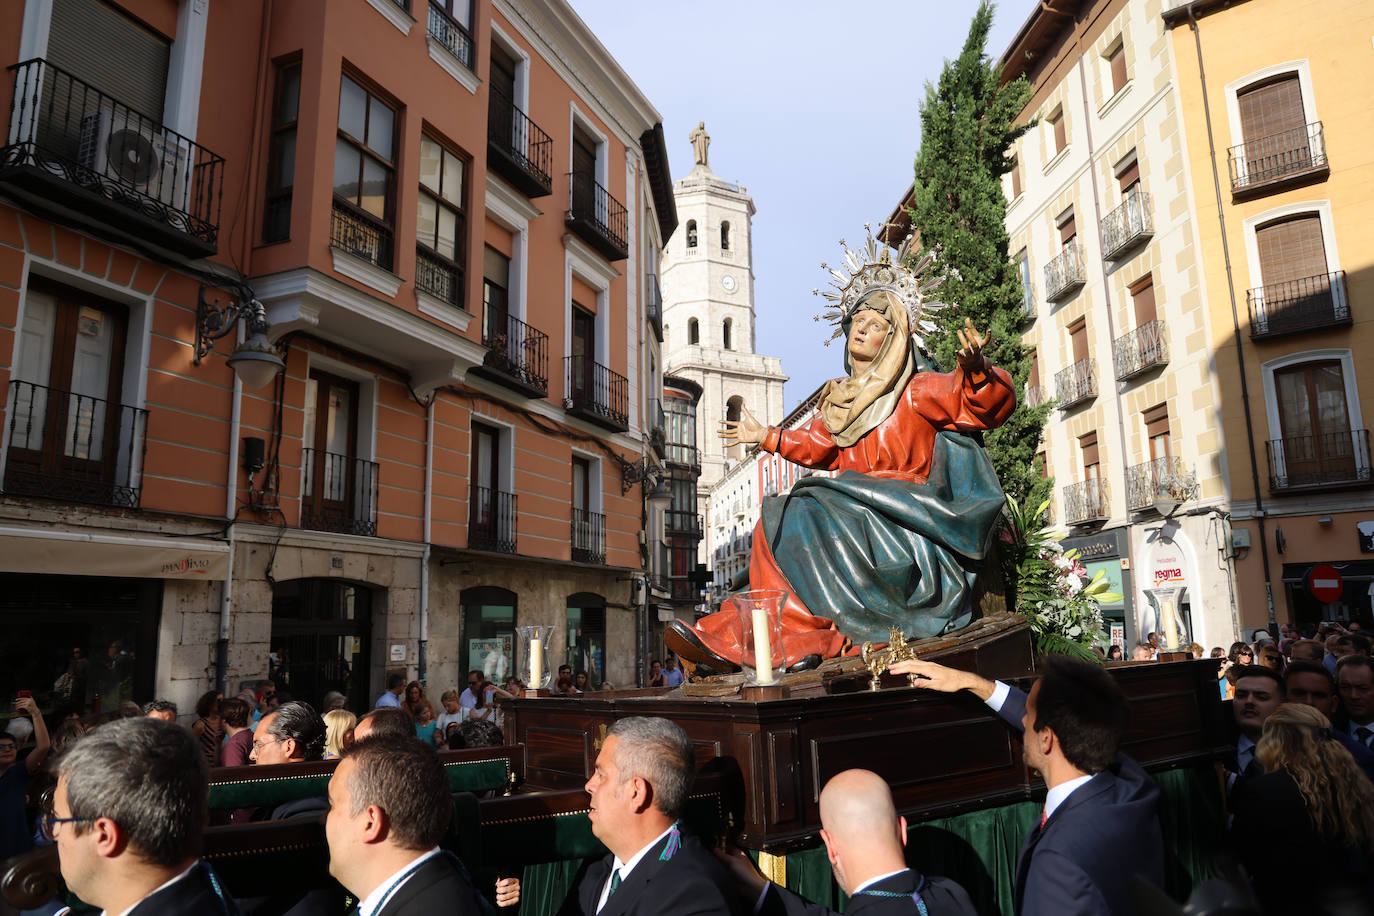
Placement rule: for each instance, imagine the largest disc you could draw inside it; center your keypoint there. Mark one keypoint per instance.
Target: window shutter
(1078, 335)
(1143, 298)
(1061, 139)
(1291, 250)
(1068, 229)
(1088, 444)
(1157, 421)
(1034, 379)
(1271, 108)
(1130, 175)
(1015, 179)
(1118, 62)
(110, 51)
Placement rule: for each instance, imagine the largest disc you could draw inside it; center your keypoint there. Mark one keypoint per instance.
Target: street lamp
(255, 361)
(658, 492)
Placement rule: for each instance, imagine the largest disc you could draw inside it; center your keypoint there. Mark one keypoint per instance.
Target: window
(588, 536)
(725, 334)
(1128, 176)
(1291, 250)
(338, 491)
(489, 618)
(1033, 393)
(364, 175)
(1269, 109)
(495, 294)
(1087, 445)
(1078, 341)
(691, 233)
(693, 332)
(101, 45)
(586, 640)
(583, 353)
(281, 164)
(1058, 130)
(440, 224)
(725, 236)
(1023, 269)
(584, 184)
(1116, 65)
(1314, 422)
(491, 510)
(70, 437)
(1143, 301)
(1015, 178)
(1068, 229)
(1157, 431)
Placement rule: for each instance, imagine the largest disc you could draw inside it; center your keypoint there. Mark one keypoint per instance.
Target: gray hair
(146, 775)
(334, 700)
(299, 721)
(659, 752)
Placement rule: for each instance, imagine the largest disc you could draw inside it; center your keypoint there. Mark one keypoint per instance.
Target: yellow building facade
(1280, 146)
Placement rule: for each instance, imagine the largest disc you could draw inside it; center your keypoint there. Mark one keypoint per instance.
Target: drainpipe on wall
(1235, 327)
(230, 506)
(423, 663)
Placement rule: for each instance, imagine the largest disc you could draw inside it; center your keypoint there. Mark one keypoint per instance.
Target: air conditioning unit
(120, 146)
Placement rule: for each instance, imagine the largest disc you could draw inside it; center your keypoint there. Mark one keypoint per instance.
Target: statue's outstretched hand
(971, 358)
(745, 430)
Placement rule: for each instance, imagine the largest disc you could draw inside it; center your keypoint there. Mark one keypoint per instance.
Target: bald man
(865, 840)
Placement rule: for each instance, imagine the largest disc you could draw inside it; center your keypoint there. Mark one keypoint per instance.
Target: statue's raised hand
(746, 430)
(971, 358)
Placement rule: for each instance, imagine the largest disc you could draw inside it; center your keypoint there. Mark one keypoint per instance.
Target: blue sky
(813, 107)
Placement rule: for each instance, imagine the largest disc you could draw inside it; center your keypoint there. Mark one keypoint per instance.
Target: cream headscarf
(853, 406)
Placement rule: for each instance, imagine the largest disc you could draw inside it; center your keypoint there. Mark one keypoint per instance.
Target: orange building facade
(446, 219)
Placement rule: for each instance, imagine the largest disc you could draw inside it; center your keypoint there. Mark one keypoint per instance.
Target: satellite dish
(130, 155)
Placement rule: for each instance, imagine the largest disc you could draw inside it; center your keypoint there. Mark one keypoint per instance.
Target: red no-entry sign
(1325, 582)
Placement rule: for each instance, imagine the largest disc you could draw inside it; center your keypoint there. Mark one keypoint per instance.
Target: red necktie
(1044, 816)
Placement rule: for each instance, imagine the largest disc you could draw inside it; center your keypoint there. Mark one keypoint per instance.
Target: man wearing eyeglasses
(15, 836)
(294, 733)
(128, 815)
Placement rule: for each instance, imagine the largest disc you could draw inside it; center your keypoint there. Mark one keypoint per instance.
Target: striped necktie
(615, 882)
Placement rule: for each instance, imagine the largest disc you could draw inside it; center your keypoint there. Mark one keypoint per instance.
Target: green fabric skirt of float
(877, 552)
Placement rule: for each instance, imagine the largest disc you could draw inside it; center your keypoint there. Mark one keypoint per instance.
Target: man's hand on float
(746, 430)
(945, 680)
(749, 881)
(971, 358)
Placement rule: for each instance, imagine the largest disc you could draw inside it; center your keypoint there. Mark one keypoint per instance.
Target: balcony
(684, 455)
(338, 493)
(517, 355)
(1298, 305)
(438, 276)
(64, 445)
(517, 149)
(1290, 157)
(1088, 501)
(361, 234)
(1140, 350)
(1035, 395)
(1076, 384)
(588, 537)
(653, 305)
(658, 427)
(76, 150)
(1064, 275)
(680, 522)
(450, 34)
(1161, 480)
(1331, 460)
(1128, 226)
(595, 393)
(597, 217)
(491, 520)
(683, 572)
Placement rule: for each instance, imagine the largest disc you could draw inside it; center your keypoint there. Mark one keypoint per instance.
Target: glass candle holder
(533, 660)
(760, 616)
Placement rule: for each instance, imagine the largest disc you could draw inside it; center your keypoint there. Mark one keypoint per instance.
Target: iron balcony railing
(658, 426)
(1293, 154)
(1298, 305)
(1035, 395)
(685, 455)
(65, 445)
(360, 234)
(516, 352)
(653, 305)
(1064, 274)
(1027, 299)
(588, 536)
(594, 392)
(678, 521)
(1076, 384)
(73, 144)
(597, 217)
(1162, 479)
(338, 493)
(683, 571)
(450, 33)
(438, 276)
(491, 520)
(1087, 501)
(1143, 348)
(1335, 459)
(523, 152)
(1128, 225)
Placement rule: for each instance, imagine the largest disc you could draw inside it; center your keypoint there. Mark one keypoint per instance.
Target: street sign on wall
(1325, 583)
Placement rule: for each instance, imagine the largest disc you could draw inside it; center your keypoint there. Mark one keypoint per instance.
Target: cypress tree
(967, 127)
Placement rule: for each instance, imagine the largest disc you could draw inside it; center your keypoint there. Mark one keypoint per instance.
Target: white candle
(763, 648)
(536, 662)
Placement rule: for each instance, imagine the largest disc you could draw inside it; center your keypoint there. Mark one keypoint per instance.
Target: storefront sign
(71, 554)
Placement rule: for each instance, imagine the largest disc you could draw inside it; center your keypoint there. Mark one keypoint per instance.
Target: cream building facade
(708, 317)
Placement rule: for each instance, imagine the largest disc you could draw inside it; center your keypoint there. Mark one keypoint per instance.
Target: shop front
(1107, 550)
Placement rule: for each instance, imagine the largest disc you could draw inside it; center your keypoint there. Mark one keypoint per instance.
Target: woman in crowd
(425, 726)
(1268, 655)
(415, 695)
(453, 710)
(338, 727)
(1311, 813)
(208, 728)
(1114, 653)
(656, 678)
(487, 708)
(234, 713)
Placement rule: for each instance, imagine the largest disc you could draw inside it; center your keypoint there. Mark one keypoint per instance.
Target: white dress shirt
(1060, 793)
(164, 884)
(373, 901)
(624, 868)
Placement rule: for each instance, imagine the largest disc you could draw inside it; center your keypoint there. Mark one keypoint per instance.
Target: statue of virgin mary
(898, 534)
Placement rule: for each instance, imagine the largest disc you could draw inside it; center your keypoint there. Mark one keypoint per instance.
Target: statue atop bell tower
(701, 145)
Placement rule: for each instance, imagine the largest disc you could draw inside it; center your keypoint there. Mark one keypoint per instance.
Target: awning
(75, 553)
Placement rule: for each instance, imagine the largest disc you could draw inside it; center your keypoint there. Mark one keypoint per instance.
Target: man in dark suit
(865, 841)
(1259, 691)
(642, 777)
(1100, 827)
(389, 807)
(128, 813)
(1312, 685)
